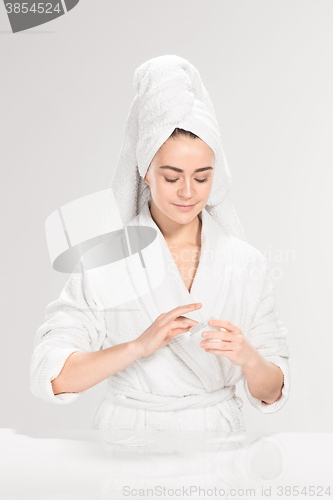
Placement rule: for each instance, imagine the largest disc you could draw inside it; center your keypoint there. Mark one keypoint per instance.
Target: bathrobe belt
(133, 398)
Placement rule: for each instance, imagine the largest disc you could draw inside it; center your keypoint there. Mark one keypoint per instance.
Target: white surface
(90, 465)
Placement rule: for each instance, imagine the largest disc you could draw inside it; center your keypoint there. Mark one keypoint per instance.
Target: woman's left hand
(234, 345)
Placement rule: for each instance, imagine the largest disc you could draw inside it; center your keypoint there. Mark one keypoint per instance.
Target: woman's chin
(186, 215)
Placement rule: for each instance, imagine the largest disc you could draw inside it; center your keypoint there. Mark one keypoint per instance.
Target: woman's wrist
(136, 349)
(263, 378)
(255, 361)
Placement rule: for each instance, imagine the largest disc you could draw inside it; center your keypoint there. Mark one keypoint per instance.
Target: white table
(86, 465)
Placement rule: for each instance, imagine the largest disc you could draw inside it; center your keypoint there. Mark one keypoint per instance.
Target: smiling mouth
(185, 205)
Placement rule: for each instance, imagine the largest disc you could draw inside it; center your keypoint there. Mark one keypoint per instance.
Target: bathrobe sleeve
(268, 334)
(72, 323)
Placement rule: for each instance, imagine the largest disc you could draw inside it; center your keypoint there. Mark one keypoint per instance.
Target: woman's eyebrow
(180, 170)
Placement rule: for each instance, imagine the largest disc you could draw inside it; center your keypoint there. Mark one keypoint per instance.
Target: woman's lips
(184, 208)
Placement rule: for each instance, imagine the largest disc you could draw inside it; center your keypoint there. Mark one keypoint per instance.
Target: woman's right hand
(165, 327)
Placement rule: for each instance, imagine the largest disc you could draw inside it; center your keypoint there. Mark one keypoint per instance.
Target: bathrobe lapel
(159, 287)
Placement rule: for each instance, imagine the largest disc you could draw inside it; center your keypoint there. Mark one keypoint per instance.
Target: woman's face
(181, 173)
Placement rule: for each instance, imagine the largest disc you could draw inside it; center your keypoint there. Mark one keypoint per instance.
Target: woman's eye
(198, 180)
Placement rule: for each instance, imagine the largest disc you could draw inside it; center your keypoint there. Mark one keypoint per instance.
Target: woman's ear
(145, 178)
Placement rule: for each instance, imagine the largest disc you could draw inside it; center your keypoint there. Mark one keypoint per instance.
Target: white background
(66, 89)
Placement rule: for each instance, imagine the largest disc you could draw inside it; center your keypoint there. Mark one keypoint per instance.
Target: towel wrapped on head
(169, 94)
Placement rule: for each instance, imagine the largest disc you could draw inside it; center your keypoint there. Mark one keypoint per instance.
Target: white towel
(169, 94)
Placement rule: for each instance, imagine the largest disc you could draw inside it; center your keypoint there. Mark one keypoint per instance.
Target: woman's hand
(165, 328)
(234, 345)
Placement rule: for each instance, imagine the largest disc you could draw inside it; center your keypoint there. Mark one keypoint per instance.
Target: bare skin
(187, 261)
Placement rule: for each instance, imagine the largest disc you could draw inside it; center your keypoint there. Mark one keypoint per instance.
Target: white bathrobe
(177, 387)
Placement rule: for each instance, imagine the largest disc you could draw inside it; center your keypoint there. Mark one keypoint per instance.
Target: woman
(197, 265)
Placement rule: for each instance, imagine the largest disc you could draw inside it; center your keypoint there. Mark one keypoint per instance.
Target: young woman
(171, 178)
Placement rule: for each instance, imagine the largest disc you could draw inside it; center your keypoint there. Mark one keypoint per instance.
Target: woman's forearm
(264, 379)
(83, 370)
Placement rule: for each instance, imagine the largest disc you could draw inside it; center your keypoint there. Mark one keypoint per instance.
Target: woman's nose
(186, 189)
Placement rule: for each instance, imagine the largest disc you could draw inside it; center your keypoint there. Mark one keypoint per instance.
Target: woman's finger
(174, 325)
(190, 321)
(220, 346)
(218, 352)
(223, 323)
(218, 334)
(178, 311)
